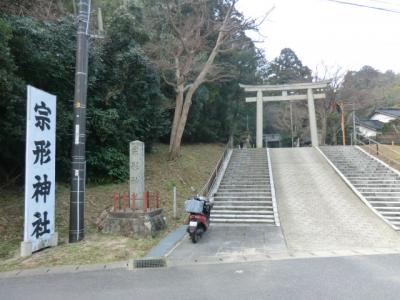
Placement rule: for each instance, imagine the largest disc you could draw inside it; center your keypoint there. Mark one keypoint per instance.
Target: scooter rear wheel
(194, 237)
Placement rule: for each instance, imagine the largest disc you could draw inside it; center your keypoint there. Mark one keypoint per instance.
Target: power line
(366, 6)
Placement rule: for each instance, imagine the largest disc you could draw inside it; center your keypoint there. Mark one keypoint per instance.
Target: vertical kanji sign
(39, 172)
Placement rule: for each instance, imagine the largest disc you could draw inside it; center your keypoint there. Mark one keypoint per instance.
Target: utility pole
(78, 168)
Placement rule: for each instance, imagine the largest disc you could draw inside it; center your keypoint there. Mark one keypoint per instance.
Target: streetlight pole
(78, 168)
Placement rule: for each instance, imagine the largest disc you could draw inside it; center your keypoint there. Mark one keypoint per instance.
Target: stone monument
(131, 221)
(136, 172)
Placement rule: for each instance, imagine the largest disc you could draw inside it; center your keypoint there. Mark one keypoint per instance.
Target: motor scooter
(199, 209)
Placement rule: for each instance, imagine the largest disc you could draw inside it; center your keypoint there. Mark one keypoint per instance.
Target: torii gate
(310, 97)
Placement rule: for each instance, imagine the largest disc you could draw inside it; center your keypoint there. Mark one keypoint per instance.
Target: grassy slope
(386, 152)
(192, 169)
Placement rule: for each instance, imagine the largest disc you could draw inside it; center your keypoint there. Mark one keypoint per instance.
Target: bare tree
(188, 35)
(336, 75)
(40, 9)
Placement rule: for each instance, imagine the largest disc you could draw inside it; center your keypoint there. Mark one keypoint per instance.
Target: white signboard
(39, 171)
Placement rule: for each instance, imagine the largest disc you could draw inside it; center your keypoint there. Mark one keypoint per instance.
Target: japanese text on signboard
(40, 168)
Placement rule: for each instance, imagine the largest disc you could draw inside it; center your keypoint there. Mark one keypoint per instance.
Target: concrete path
(229, 244)
(318, 211)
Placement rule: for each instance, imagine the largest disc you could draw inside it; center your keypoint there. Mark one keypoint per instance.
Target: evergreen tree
(287, 68)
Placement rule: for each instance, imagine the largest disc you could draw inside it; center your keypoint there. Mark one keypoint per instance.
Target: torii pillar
(260, 120)
(284, 88)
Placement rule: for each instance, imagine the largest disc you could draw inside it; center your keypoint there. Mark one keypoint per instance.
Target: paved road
(358, 277)
(318, 211)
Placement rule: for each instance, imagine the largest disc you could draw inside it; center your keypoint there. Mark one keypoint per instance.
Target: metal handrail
(383, 145)
(210, 182)
(375, 150)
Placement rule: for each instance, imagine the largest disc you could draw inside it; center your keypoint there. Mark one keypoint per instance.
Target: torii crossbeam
(284, 88)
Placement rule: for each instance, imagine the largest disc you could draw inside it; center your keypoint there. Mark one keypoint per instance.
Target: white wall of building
(366, 131)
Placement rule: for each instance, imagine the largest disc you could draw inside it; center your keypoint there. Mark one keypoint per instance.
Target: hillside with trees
(162, 71)
(129, 96)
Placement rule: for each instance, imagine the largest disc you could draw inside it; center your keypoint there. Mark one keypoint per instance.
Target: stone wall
(132, 222)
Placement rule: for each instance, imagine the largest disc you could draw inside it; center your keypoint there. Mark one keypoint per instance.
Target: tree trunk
(177, 114)
(176, 142)
(181, 115)
(176, 135)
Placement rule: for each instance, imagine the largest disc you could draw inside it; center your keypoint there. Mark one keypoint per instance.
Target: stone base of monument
(130, 222)
(26, 246)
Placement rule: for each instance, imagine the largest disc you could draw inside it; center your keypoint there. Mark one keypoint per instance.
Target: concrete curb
(167, 243)
(271, 181)
(64, 269)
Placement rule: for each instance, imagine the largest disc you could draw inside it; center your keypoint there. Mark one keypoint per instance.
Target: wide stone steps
(236, 196)
(236, 192)
(232, 181)
(372, 178)
(253, 204)
(244, 185)
(241, 194)
(245, 195)
(243, 208)
(228, 211)
(242, 216)
(243, 220)
(380, 189)
(367, 175)
(244, 179)
(378, 184)
(238, 176)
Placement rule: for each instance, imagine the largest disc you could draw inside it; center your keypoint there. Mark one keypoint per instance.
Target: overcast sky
(321, 31)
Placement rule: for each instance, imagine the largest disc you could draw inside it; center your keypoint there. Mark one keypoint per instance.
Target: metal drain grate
(149, 263)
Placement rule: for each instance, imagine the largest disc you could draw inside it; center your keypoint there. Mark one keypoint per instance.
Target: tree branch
(170, 83)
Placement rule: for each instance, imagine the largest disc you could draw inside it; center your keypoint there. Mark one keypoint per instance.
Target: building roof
(391, 112)
(371, 124)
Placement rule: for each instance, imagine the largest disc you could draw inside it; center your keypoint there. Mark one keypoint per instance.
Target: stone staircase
(375, 182)
(245, 194)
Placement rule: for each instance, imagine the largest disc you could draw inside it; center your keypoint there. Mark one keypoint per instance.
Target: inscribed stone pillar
(136, 172)
(312, 117)
(260, 124)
